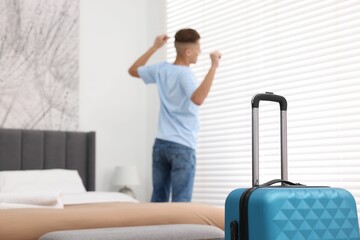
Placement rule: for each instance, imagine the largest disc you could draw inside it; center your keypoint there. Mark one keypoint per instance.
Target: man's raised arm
(141, 61)
(203, 90)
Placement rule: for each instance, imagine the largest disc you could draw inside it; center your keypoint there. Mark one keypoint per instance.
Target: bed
(36, 150)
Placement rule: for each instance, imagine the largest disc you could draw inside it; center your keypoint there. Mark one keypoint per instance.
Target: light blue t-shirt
(178, 118)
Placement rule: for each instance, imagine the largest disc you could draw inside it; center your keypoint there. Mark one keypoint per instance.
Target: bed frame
(41, 149)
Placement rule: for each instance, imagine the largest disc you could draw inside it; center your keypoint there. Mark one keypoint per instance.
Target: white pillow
(46, 180)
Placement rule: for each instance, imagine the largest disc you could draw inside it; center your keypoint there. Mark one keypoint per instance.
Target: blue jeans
(173, 169)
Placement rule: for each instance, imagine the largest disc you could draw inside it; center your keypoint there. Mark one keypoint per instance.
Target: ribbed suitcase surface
(290, 211)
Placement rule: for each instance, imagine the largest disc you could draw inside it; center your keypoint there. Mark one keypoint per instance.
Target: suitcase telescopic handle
(268, 96)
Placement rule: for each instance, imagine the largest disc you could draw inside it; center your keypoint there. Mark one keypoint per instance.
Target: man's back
(178, 119)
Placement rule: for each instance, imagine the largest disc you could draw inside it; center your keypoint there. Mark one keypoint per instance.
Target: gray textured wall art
(39, 76)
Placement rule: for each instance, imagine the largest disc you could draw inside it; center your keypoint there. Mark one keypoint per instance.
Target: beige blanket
(30, 224)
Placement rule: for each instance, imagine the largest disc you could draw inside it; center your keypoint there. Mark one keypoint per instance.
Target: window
(307, 51)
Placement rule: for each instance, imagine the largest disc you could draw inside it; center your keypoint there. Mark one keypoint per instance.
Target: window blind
(307, 51)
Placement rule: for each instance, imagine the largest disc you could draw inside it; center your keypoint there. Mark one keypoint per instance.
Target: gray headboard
(38, 149)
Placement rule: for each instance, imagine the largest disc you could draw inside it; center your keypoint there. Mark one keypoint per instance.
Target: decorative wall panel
(39, 69)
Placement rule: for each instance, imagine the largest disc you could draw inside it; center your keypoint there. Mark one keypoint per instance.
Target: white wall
(156, 25)
(121, 109)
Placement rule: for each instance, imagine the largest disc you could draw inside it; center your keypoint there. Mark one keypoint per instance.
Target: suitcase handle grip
(283, 182)
(255, 134)
(269, 96)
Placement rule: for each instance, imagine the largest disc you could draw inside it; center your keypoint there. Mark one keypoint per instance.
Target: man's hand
(141, 61)
(160, 40)
(215, 58)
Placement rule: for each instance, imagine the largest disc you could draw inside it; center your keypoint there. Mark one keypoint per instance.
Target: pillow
(45, 180)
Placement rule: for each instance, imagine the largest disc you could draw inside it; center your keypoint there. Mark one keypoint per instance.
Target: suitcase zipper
(243, 213)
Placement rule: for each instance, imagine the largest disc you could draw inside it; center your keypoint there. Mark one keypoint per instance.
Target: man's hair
(187, 35)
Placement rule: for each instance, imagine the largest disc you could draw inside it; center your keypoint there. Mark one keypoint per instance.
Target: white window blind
(309, 52)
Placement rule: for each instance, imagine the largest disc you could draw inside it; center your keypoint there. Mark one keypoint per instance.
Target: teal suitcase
(289, 211)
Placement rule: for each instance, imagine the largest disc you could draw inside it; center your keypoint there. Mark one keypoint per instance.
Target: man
(174, 148)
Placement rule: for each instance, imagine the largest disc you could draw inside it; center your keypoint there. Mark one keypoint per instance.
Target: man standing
(174, 148)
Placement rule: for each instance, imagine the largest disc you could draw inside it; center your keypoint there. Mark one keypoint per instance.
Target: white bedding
(96, 197)
(10, 200)
(44, 180)
(59, 200)
(49, 188)
(7, 205)
(40, 198)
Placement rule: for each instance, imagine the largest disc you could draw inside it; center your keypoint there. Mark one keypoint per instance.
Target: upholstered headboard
(37, 149)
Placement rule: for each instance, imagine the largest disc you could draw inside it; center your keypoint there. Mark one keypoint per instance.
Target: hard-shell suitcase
(289, 211)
